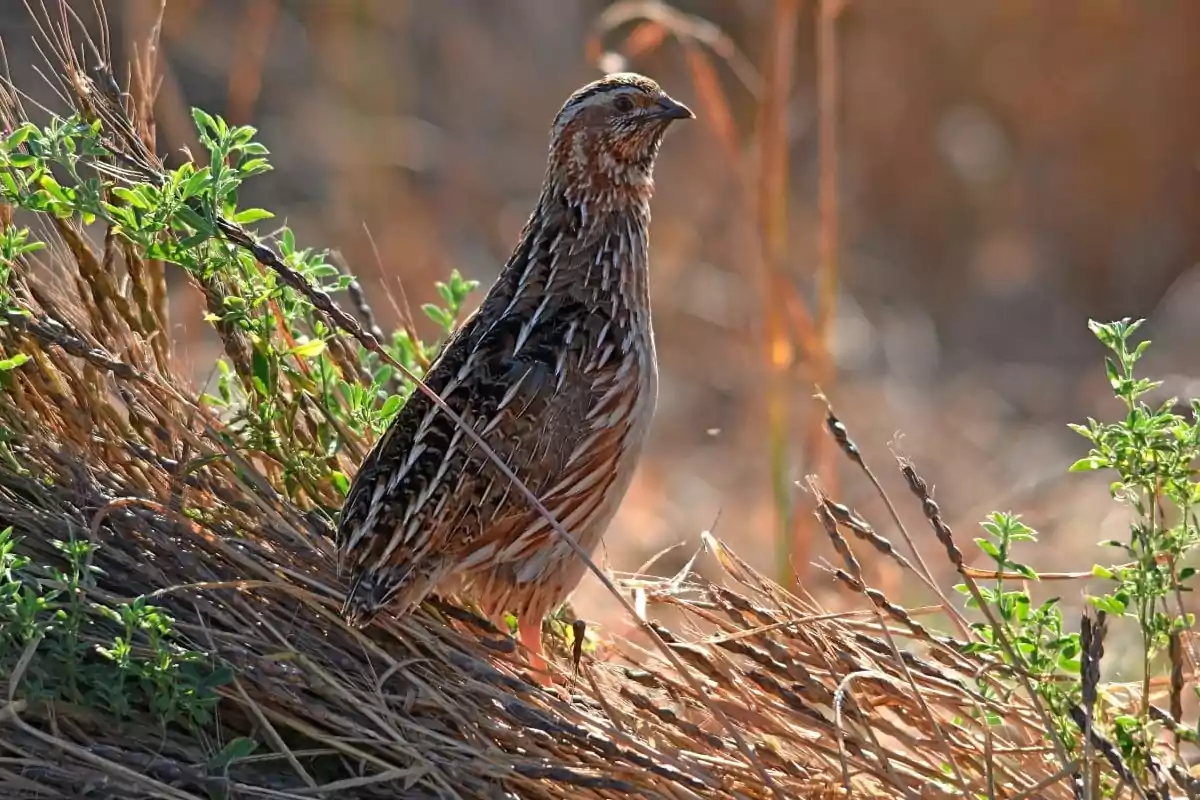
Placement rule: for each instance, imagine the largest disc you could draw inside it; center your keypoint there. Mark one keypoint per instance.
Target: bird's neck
(587, 247)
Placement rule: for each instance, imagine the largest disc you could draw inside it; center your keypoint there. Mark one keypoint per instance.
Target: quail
(555, 370)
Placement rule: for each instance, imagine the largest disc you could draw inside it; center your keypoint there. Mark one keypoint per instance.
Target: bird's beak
(670, 108)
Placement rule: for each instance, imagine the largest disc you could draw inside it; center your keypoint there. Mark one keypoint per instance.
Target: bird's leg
(529, 633)
(578, 632)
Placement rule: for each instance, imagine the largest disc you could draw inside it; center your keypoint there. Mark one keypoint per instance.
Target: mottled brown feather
(555, 370)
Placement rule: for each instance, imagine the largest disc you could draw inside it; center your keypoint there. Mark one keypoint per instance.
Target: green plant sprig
(1153, 451)
(282, 391)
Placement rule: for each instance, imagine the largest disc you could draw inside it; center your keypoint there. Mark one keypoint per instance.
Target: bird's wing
(572, 436)
(426, 494)
(409, 464)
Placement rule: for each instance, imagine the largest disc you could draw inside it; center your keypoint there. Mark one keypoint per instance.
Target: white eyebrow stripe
(603, 95)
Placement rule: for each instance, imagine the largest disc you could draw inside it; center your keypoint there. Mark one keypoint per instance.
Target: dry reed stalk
(818, 449)
(773, 174)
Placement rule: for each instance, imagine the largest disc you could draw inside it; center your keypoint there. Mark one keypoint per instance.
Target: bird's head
(608, 132)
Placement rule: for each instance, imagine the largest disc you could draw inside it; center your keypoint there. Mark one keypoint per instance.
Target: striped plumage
(556, 370)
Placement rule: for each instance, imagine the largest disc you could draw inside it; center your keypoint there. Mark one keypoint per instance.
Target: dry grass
(111, 445)
(438, 707)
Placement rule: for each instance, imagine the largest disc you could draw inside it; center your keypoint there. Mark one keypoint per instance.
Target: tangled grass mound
(169, 593)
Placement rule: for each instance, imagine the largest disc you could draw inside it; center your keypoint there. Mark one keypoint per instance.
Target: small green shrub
(284, 388)
(1152, 452)
(122, 661)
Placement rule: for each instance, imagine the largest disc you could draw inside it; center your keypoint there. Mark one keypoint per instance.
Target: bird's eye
(623, 104)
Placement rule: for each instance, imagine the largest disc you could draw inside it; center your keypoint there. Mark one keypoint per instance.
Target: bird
(555, 370)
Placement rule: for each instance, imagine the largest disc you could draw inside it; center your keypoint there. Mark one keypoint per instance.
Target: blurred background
(979, 177)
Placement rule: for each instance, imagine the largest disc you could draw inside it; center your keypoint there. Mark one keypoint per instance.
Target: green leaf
(309, 349)
(237, 749)
(391, 406)
(254, 166)
(1025, 571)
(1108, 604)
(194, 241)
(988, 547)
(10, 185)
(17, 137)
(55, 189)
(194, 221)
(13, 362)
(252, 215)
(340, 482)
(204, 121)
(1069, 665)
(221, 676)
(262, 371)
(1114, 377)
(131, 197)
(438, 315)
(195, 183)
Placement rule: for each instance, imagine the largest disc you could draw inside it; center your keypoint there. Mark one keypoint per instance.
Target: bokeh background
(1004, 172)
